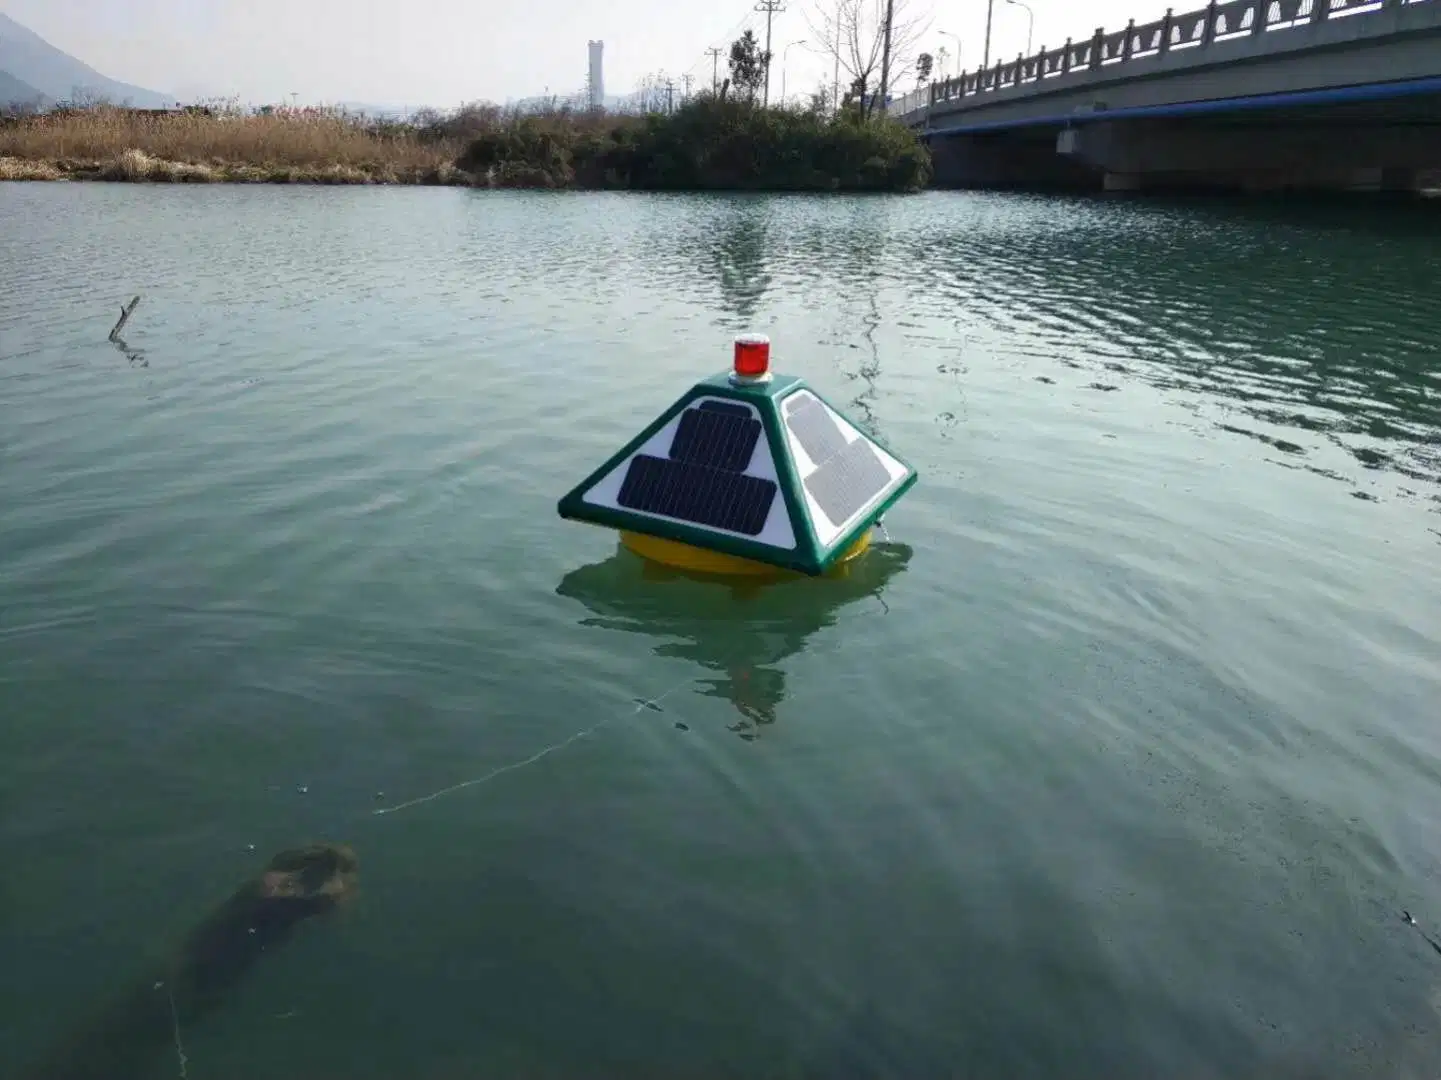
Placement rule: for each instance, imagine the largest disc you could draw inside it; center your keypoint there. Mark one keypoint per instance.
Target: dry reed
(298, 147)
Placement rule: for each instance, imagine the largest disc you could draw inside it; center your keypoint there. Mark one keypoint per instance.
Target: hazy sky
(443, 52)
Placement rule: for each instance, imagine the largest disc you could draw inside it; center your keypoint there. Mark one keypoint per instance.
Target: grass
(315, 147)
(707, 144)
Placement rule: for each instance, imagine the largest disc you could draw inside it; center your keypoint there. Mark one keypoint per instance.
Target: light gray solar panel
(814, 428)
(847, 481)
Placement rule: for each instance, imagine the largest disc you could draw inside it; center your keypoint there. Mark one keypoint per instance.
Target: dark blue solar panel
(697, 494)
(730, 408)
(721, 440)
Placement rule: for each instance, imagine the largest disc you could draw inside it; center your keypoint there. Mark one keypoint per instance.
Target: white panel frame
(828, 531)
(777, 532)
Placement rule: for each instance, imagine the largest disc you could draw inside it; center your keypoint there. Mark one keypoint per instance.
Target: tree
(86, 97)
(748, 64)
(924, 63)
(853, 33)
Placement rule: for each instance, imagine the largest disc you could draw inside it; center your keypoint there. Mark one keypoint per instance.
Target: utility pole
(770, 8)
(836, 88)
(687, 78)
(715, 55)
(990, 10)
(669, 96)
(886, 55)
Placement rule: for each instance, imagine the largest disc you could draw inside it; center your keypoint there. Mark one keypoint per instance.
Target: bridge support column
(1009, 160)
(1400, 179)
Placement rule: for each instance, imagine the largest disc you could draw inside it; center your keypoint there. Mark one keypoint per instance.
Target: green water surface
(1120, 759)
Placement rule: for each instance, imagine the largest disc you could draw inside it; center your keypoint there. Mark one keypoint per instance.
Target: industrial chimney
(596, 81)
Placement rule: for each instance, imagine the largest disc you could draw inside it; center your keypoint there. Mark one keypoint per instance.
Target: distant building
(596, 82)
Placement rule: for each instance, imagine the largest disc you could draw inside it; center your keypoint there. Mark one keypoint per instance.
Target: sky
(410, 53)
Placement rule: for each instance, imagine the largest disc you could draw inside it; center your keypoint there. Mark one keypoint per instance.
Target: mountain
(32, 60)
(15, 92)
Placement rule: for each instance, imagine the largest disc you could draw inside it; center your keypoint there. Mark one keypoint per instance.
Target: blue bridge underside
(1342, 95)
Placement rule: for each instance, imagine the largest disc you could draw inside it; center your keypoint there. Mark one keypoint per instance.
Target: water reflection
(739, 256)
(1300, 342)
(740, 632)
(132, 354)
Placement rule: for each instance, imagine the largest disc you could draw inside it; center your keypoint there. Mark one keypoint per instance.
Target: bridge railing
(1210, 27)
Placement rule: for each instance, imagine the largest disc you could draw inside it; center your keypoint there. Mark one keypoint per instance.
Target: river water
(1120, 759)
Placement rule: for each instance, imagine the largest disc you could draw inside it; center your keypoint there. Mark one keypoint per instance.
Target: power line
(726, 39)
(769, 8)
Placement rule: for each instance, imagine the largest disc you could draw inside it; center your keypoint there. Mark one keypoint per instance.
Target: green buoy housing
(747, 472)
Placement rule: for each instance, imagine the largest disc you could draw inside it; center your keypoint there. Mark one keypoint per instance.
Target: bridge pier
(1114, 181)
(1275, 154)
(1021, 160)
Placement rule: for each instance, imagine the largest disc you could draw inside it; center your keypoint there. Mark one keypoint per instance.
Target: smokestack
(596, 82)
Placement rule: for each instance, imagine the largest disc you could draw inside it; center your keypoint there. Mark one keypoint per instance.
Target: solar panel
(847, 481)
(722, 440)
(814, 428)
(698, 494)
(730, 408)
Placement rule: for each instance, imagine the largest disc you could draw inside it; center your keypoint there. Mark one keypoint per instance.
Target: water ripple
(1123, 752)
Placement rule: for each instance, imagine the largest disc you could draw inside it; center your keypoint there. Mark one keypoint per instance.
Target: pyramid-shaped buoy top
(745, 468)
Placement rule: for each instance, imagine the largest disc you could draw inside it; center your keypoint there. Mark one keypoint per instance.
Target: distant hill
(15, 92)
(35, 63)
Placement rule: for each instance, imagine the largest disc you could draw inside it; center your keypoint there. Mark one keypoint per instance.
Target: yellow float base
(702, 561)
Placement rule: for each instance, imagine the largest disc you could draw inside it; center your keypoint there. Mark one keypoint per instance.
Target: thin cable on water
(648, 703)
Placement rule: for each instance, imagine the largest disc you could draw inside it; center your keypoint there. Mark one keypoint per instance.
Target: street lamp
(1030, 22)
(990, 11)
(957, 39)
(784, 53)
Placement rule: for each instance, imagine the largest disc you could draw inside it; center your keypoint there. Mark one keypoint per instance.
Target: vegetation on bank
(710, 143)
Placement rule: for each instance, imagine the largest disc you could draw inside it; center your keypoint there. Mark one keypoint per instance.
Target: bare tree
(852, 32)
(820, 103)
(86, 97)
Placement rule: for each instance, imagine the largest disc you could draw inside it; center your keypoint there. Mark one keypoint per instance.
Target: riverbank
(136, 166)
(709, 144)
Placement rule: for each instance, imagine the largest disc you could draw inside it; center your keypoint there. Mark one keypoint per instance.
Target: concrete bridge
(1253, 94)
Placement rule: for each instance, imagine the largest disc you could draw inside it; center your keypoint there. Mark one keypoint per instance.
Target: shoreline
(135, 167)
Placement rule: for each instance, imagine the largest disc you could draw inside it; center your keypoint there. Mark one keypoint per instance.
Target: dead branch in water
(125, 313)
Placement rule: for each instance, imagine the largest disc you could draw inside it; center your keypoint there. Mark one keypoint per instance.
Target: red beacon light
(752, 358)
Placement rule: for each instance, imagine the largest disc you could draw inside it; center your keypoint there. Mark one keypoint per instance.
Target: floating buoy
(748, 473)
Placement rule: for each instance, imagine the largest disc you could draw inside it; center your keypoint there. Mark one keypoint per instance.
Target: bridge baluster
(1208, 36)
